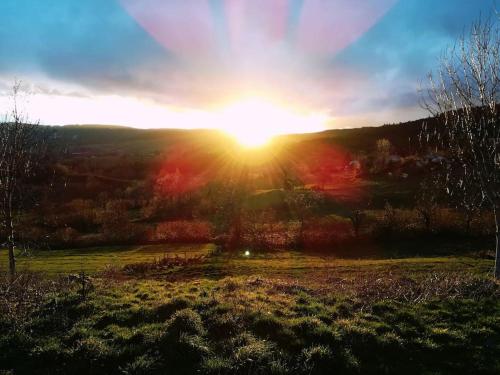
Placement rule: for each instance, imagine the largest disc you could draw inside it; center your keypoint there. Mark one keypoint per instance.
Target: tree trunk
(12, 257)
(497, 256)
(468, 221)
(12, 261)
(497, 237)
(235, 239)
(300, 237)
(427, 219)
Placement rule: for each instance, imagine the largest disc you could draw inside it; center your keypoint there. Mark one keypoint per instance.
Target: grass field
(94, 260)
(279, 313)
(280, 263)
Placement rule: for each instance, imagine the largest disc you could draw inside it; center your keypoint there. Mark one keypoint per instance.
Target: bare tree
(383, 149)
(301, 205)
(466, 195)
(464, 95)
(22, 149)
(357, 218)
(428, 199)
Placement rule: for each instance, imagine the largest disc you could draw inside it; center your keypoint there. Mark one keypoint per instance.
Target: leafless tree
(466, 195)
(301, 205)
(464, 95)
(22, 149)
(428, 198)
(357, 218)
(383, 149)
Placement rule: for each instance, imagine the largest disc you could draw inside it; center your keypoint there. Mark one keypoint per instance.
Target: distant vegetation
(327, 191)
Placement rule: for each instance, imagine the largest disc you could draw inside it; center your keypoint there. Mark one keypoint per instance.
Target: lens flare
(255, 122)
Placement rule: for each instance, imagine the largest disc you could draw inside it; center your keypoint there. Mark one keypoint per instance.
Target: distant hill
(404, 136)
(121, 139)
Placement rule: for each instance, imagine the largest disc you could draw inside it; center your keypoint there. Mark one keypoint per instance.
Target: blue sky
(360, 62)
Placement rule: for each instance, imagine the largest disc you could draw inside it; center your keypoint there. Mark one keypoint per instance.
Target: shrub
(322, 233)
(79, 214)
(194, 231)
(160, 264)
(267, 235)
(65, 236)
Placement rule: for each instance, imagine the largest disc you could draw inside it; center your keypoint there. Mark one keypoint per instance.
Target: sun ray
(255, 122)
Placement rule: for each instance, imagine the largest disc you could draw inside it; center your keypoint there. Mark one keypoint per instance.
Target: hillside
(112, 139)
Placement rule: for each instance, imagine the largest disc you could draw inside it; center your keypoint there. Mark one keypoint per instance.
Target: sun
(255, 122)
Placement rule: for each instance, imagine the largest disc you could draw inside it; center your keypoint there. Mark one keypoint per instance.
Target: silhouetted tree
(466, 195)
(229, 199)
(383, 149)
(428, 200)
(464, 95)
(23, 146)
(301, 205)
(357, 218)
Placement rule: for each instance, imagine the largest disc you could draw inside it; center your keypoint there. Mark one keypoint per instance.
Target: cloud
(200, 54)
(91, 42)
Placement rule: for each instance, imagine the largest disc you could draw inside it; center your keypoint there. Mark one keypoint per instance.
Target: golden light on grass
(255, 122)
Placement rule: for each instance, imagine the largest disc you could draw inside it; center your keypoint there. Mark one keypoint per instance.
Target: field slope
(278, 313)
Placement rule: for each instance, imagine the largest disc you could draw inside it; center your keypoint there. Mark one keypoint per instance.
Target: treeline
(309, 194)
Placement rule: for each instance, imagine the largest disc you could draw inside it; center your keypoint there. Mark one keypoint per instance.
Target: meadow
(96, 259)
(245, 313)
(211, 262)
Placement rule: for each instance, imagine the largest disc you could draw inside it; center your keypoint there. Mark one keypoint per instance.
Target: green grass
(292, 264)
(280, 263)
(97, 259)
(279, 313)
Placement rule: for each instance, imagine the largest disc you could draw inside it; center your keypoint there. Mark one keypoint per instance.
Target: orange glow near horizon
(251, 121)
(255, 122)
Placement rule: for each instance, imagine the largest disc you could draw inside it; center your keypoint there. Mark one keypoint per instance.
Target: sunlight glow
(252, 122)
(255, 122)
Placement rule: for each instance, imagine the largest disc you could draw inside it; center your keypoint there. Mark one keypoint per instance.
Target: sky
(167, 63)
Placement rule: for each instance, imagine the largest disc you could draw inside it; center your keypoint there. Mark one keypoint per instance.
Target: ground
(97, 259)
(285, 312)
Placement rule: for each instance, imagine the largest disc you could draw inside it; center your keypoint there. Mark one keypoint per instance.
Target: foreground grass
(265, 314)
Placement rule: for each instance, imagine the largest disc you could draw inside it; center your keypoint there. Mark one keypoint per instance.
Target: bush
(140, 269)
(323, 233)
(270, 235)
(65, 237)
(183, 231)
